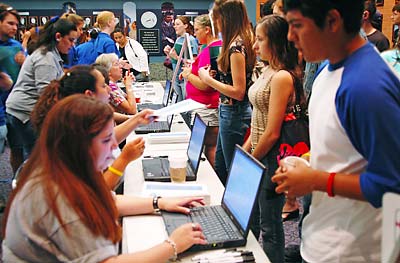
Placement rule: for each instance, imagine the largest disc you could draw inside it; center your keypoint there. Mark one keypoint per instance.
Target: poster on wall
(33, 21)
(150, 40)
(88, 22)
(168, 35)
(43, 20)
(129, 19)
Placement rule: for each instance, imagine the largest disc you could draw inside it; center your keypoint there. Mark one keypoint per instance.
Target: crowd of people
(65, 113)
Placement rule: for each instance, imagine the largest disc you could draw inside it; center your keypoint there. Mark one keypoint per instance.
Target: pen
(223, 255)
(161, 156)
(228, 260)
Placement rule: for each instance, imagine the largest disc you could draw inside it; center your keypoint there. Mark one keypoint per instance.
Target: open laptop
(156, 106)
(226, 225)
(158, 126)
(157, 168)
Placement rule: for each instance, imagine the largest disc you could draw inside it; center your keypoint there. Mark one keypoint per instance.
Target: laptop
(226, 225)
(158, 126)
(155, 106)
(157, 168)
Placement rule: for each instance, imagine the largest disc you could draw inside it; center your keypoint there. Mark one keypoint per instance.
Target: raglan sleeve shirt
(368, 106)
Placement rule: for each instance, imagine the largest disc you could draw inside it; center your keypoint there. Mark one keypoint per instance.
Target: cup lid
(291, 161)
(177, 161)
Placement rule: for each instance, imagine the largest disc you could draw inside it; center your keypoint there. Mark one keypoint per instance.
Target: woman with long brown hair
(273, 98)
(62, 209)
(235, 65)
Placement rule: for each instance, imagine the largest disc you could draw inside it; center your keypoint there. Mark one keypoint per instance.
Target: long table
(143, 232)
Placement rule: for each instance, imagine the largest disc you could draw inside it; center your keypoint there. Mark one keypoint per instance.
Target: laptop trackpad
(174, 220)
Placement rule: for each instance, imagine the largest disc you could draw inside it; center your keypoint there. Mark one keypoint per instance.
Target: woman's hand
(144, 117)
(129, 78)
(179, 205)
(186, 71)
(297, 181)
(187, 235)
(133, 149)
(167, 49)
(204, 73)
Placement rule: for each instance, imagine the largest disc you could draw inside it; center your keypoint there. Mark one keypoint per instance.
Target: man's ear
(365, 15)
(58, 37)
(89, 93)
(333, 20)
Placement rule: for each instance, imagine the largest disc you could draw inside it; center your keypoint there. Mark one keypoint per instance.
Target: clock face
(148, 19)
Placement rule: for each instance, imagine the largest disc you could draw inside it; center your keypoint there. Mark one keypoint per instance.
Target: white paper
(182, 106)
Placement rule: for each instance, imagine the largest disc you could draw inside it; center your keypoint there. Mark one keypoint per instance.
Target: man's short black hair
(267, 8)
(396, 8)
(317, 10)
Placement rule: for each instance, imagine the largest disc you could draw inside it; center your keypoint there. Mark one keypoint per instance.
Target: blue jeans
(180, 89)
(234, 120)
(267, 218)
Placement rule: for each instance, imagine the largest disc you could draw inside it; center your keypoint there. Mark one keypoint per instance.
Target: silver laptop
(158, 126)
(156, 106)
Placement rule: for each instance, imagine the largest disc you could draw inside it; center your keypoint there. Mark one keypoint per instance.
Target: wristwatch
(155, 203)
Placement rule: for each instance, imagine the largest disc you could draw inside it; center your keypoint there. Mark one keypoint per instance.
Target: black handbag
(294, 139)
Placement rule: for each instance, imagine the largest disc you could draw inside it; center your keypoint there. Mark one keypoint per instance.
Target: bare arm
(236, 91)
(125, 128)
(281, 89)
(302, 180)
(195, 80)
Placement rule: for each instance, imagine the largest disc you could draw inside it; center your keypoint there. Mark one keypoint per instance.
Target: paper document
(182, 106)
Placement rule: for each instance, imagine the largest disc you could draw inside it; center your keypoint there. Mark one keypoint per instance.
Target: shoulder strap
(130, 44)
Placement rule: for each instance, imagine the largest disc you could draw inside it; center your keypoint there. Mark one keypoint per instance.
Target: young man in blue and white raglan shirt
(354, 123)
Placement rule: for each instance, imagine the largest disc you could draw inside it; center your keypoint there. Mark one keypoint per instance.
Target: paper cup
(177, 168)
(289, 162)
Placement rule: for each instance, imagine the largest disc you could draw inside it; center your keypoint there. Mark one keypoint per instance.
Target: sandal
(290, 215)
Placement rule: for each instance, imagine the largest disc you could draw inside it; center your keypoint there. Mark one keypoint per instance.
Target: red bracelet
(329, 185)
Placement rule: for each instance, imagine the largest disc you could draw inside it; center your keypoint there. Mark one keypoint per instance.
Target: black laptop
(158, 126)
(154, 106)
(157, 168)
(226, 225)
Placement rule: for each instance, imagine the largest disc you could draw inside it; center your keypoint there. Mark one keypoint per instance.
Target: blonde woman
(106, 22)
(197, 90)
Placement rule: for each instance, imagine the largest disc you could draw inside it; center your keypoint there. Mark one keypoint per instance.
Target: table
(143, 232)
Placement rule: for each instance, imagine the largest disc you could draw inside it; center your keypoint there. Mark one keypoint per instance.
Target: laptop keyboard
(216, 224)
(150, 106)
(157, 125)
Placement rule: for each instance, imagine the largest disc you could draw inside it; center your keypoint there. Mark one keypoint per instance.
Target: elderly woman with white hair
(123, 102)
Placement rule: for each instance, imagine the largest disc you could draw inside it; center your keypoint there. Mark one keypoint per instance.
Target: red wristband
(329, 185)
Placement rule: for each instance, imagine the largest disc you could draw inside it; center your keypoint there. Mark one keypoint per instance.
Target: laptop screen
(242, 186)
(166, 92)
(196, 142)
